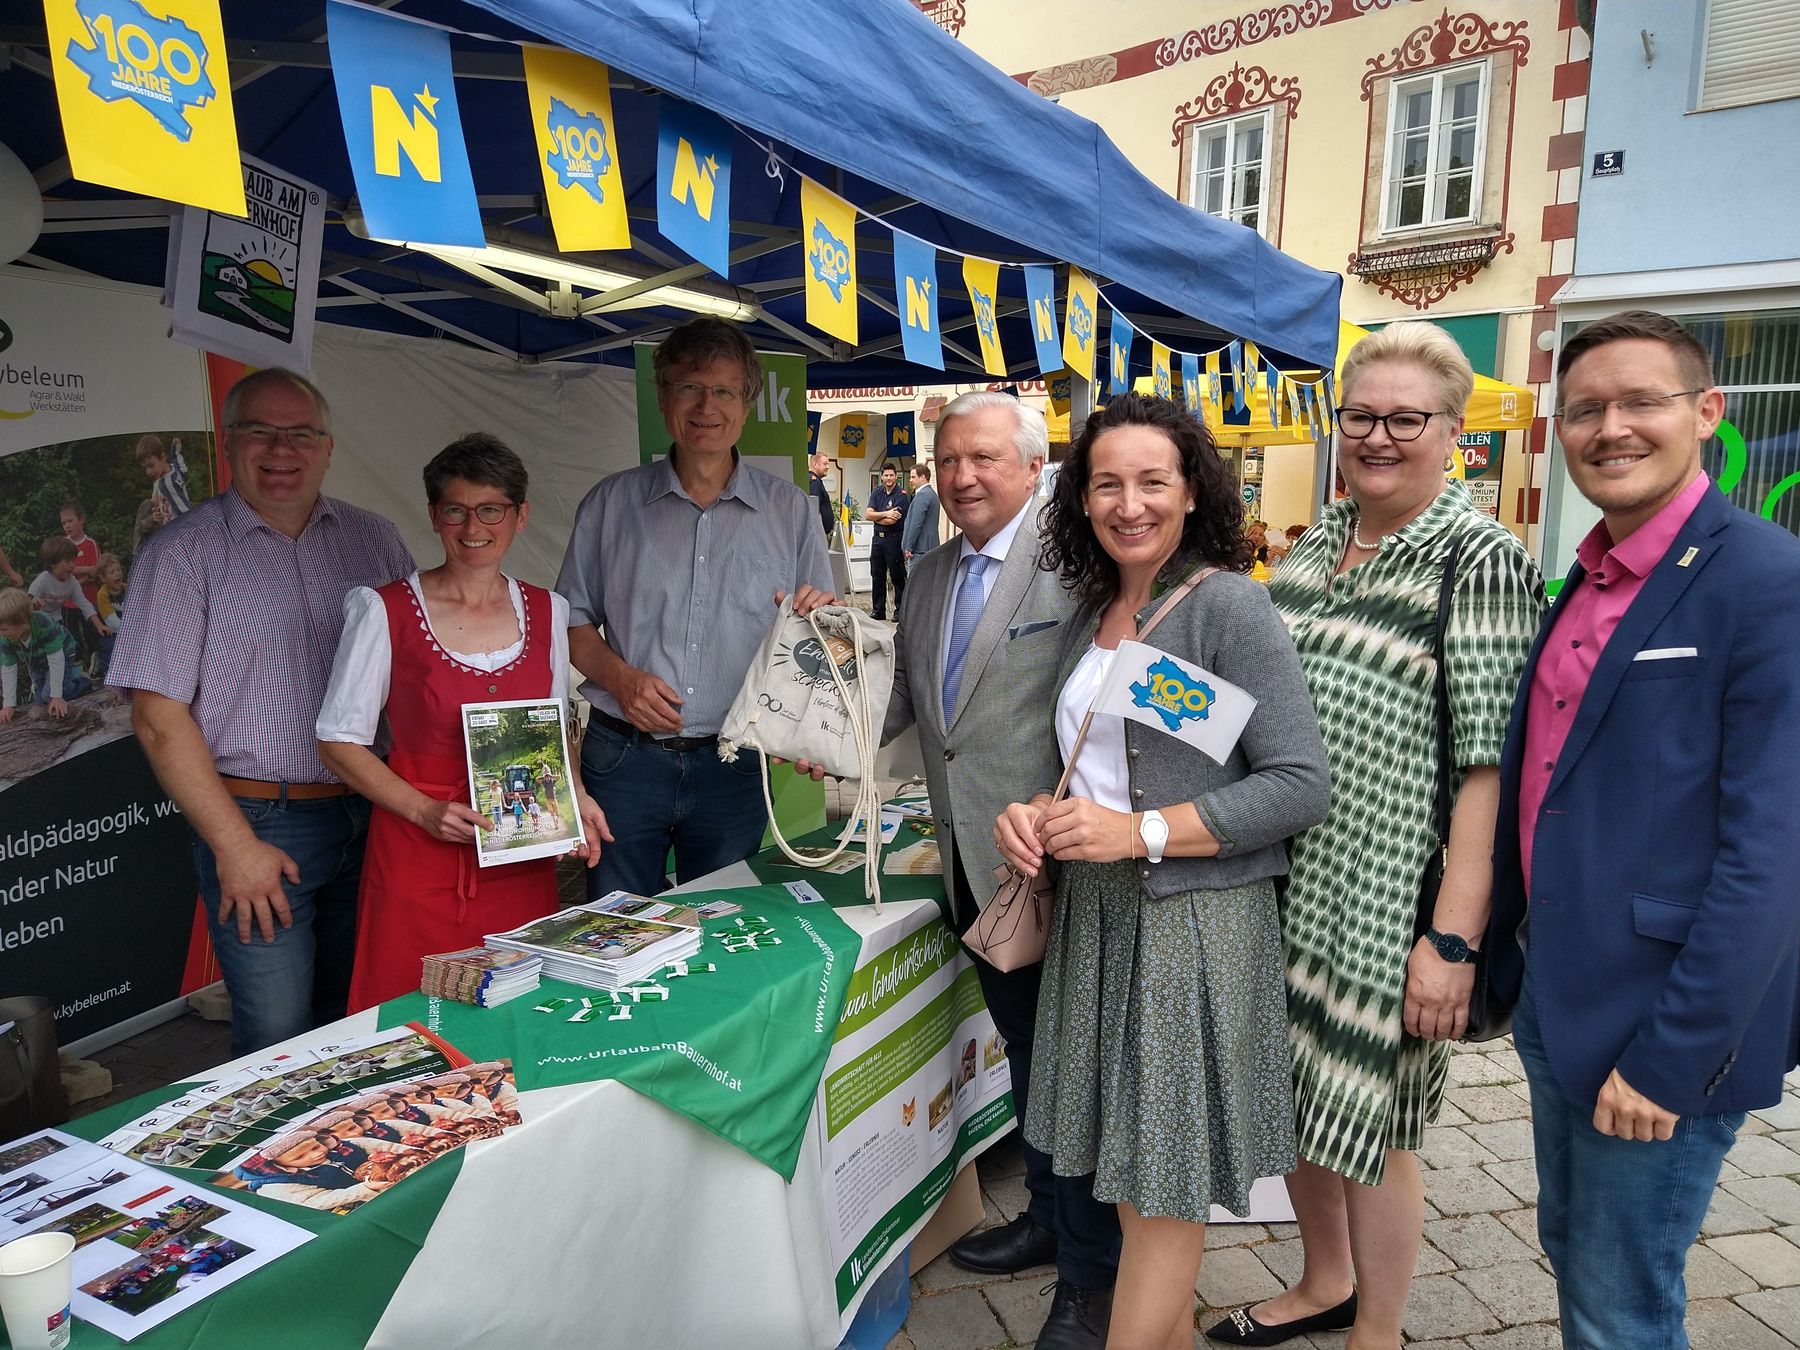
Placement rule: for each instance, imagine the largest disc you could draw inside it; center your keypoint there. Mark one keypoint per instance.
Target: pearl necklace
(1357, 539)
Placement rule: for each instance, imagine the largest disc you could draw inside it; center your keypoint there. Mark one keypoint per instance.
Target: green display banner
(734, 1038)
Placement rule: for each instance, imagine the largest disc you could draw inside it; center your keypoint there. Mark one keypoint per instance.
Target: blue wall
(1698, 188)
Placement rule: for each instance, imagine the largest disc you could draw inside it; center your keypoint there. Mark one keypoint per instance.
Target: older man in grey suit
(976, 668)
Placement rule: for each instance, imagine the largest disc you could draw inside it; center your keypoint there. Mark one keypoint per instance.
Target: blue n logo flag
(1040, 298)
(397, 99)
(1270, 376)
(1119, 374)
(1190, 381)
(693, 183)
(812, 432)
(902, 436)
(916, 290)
(1234, 360)
(1233, 409)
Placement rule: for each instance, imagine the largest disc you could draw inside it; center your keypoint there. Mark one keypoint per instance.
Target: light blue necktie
(969, 600)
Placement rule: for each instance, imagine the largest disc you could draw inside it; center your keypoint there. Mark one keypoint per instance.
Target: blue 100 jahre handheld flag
(1177, 698)
(397, 99)
(693, 183)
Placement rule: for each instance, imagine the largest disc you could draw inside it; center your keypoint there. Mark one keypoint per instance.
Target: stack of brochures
(609, 944)
(481, 975)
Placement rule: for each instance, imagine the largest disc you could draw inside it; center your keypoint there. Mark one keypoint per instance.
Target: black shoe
(1077, 1319)
(1243, 1329)
(1008, 1249)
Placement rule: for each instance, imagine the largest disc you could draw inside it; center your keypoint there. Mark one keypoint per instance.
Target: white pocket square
(1665, 653)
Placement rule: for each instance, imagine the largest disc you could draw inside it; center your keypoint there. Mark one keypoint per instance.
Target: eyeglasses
(262, 435)
(1357, 423)
(488, 513)
(1590, 413)
(689, 392)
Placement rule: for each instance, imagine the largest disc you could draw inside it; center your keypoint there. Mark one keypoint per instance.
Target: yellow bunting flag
(1161, 380)
(145, 95)
(1060, 385)
(571, 115)
(1081, 324)
(981, 278)
(853, 436)
(828, 231)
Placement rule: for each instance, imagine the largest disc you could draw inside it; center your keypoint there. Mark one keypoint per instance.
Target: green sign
(1480, 451)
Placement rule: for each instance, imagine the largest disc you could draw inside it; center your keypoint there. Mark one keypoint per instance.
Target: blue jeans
(710, 812)
(1617, 1216)
(75, 684)
(302, 979)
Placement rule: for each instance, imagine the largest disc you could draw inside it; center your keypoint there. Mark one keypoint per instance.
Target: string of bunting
(146, 107)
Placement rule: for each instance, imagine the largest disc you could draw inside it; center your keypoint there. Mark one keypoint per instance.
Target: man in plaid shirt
(236, 610)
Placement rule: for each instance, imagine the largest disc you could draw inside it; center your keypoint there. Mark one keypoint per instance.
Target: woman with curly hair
(1162, 1061)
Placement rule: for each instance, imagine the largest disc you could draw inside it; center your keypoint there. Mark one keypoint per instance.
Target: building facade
(1426, 151)
(1690, 204)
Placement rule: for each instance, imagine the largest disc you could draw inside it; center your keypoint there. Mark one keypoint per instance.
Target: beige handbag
(1011, 931)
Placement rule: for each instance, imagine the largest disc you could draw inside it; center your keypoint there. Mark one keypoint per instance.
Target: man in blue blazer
(1647, 861)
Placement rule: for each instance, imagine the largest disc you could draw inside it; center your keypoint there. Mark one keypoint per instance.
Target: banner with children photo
(104, 441)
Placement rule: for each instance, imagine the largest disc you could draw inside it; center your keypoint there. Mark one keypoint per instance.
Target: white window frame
(1436, 79)
(1234, 211)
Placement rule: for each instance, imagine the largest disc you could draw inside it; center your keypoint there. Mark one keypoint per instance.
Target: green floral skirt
(1160, 1061)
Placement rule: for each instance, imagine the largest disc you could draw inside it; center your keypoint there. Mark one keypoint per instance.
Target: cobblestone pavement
(1482, 1282)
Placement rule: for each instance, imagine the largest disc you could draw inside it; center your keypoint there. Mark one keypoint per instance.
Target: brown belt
(273, 792)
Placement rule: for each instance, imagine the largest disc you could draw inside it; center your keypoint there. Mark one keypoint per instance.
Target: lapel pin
(1688, 557)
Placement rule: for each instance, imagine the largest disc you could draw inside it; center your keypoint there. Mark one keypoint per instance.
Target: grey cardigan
(1275, 782)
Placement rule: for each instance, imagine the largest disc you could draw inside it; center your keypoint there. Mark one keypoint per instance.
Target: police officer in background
(887, 511)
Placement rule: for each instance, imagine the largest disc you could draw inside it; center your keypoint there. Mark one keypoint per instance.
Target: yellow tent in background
(1494, 406)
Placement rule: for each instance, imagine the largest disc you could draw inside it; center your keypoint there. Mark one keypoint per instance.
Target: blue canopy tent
(940, 145)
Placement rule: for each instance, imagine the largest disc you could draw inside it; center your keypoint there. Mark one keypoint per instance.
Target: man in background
(919, 535)
(887, 512)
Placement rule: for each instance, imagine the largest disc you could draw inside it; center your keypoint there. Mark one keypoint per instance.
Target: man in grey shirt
(671, 576)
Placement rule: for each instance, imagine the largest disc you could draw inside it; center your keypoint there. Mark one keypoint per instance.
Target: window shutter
(1752, 52)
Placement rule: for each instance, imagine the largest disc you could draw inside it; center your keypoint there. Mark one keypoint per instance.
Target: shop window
(1229, 168)
(1436, 135)
(1752, 53)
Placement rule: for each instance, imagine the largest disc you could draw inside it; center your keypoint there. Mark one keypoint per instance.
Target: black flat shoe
(1243, 1329)
(1008, 1249)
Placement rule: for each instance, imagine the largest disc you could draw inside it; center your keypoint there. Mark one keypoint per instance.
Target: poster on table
(519, 777)
(916, 1085)
(103, 442)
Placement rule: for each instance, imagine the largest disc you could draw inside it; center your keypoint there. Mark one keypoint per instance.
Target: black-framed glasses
(488, 513)
(1405, 425)
(1588, 414)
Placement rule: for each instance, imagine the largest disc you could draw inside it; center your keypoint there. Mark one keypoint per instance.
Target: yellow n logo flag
(571, 116)
(145, 96)
(1081, 323)
(981, 279)
(828, 231)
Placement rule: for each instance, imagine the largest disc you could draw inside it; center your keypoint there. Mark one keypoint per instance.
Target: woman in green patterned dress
(1161, 1048)
(1371, 1012)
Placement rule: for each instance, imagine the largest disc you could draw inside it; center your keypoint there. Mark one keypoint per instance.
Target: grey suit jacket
(997, 745)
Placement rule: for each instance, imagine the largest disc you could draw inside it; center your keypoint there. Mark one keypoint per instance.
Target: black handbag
(31, 1090)
(1487, 1019)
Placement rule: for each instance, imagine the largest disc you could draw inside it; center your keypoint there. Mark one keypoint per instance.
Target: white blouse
(364, 668)
(1101, 773)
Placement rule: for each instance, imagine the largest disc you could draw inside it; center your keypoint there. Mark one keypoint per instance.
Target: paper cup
(36, 1281)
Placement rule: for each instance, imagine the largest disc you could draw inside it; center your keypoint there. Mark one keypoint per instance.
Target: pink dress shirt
(1615, 573)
